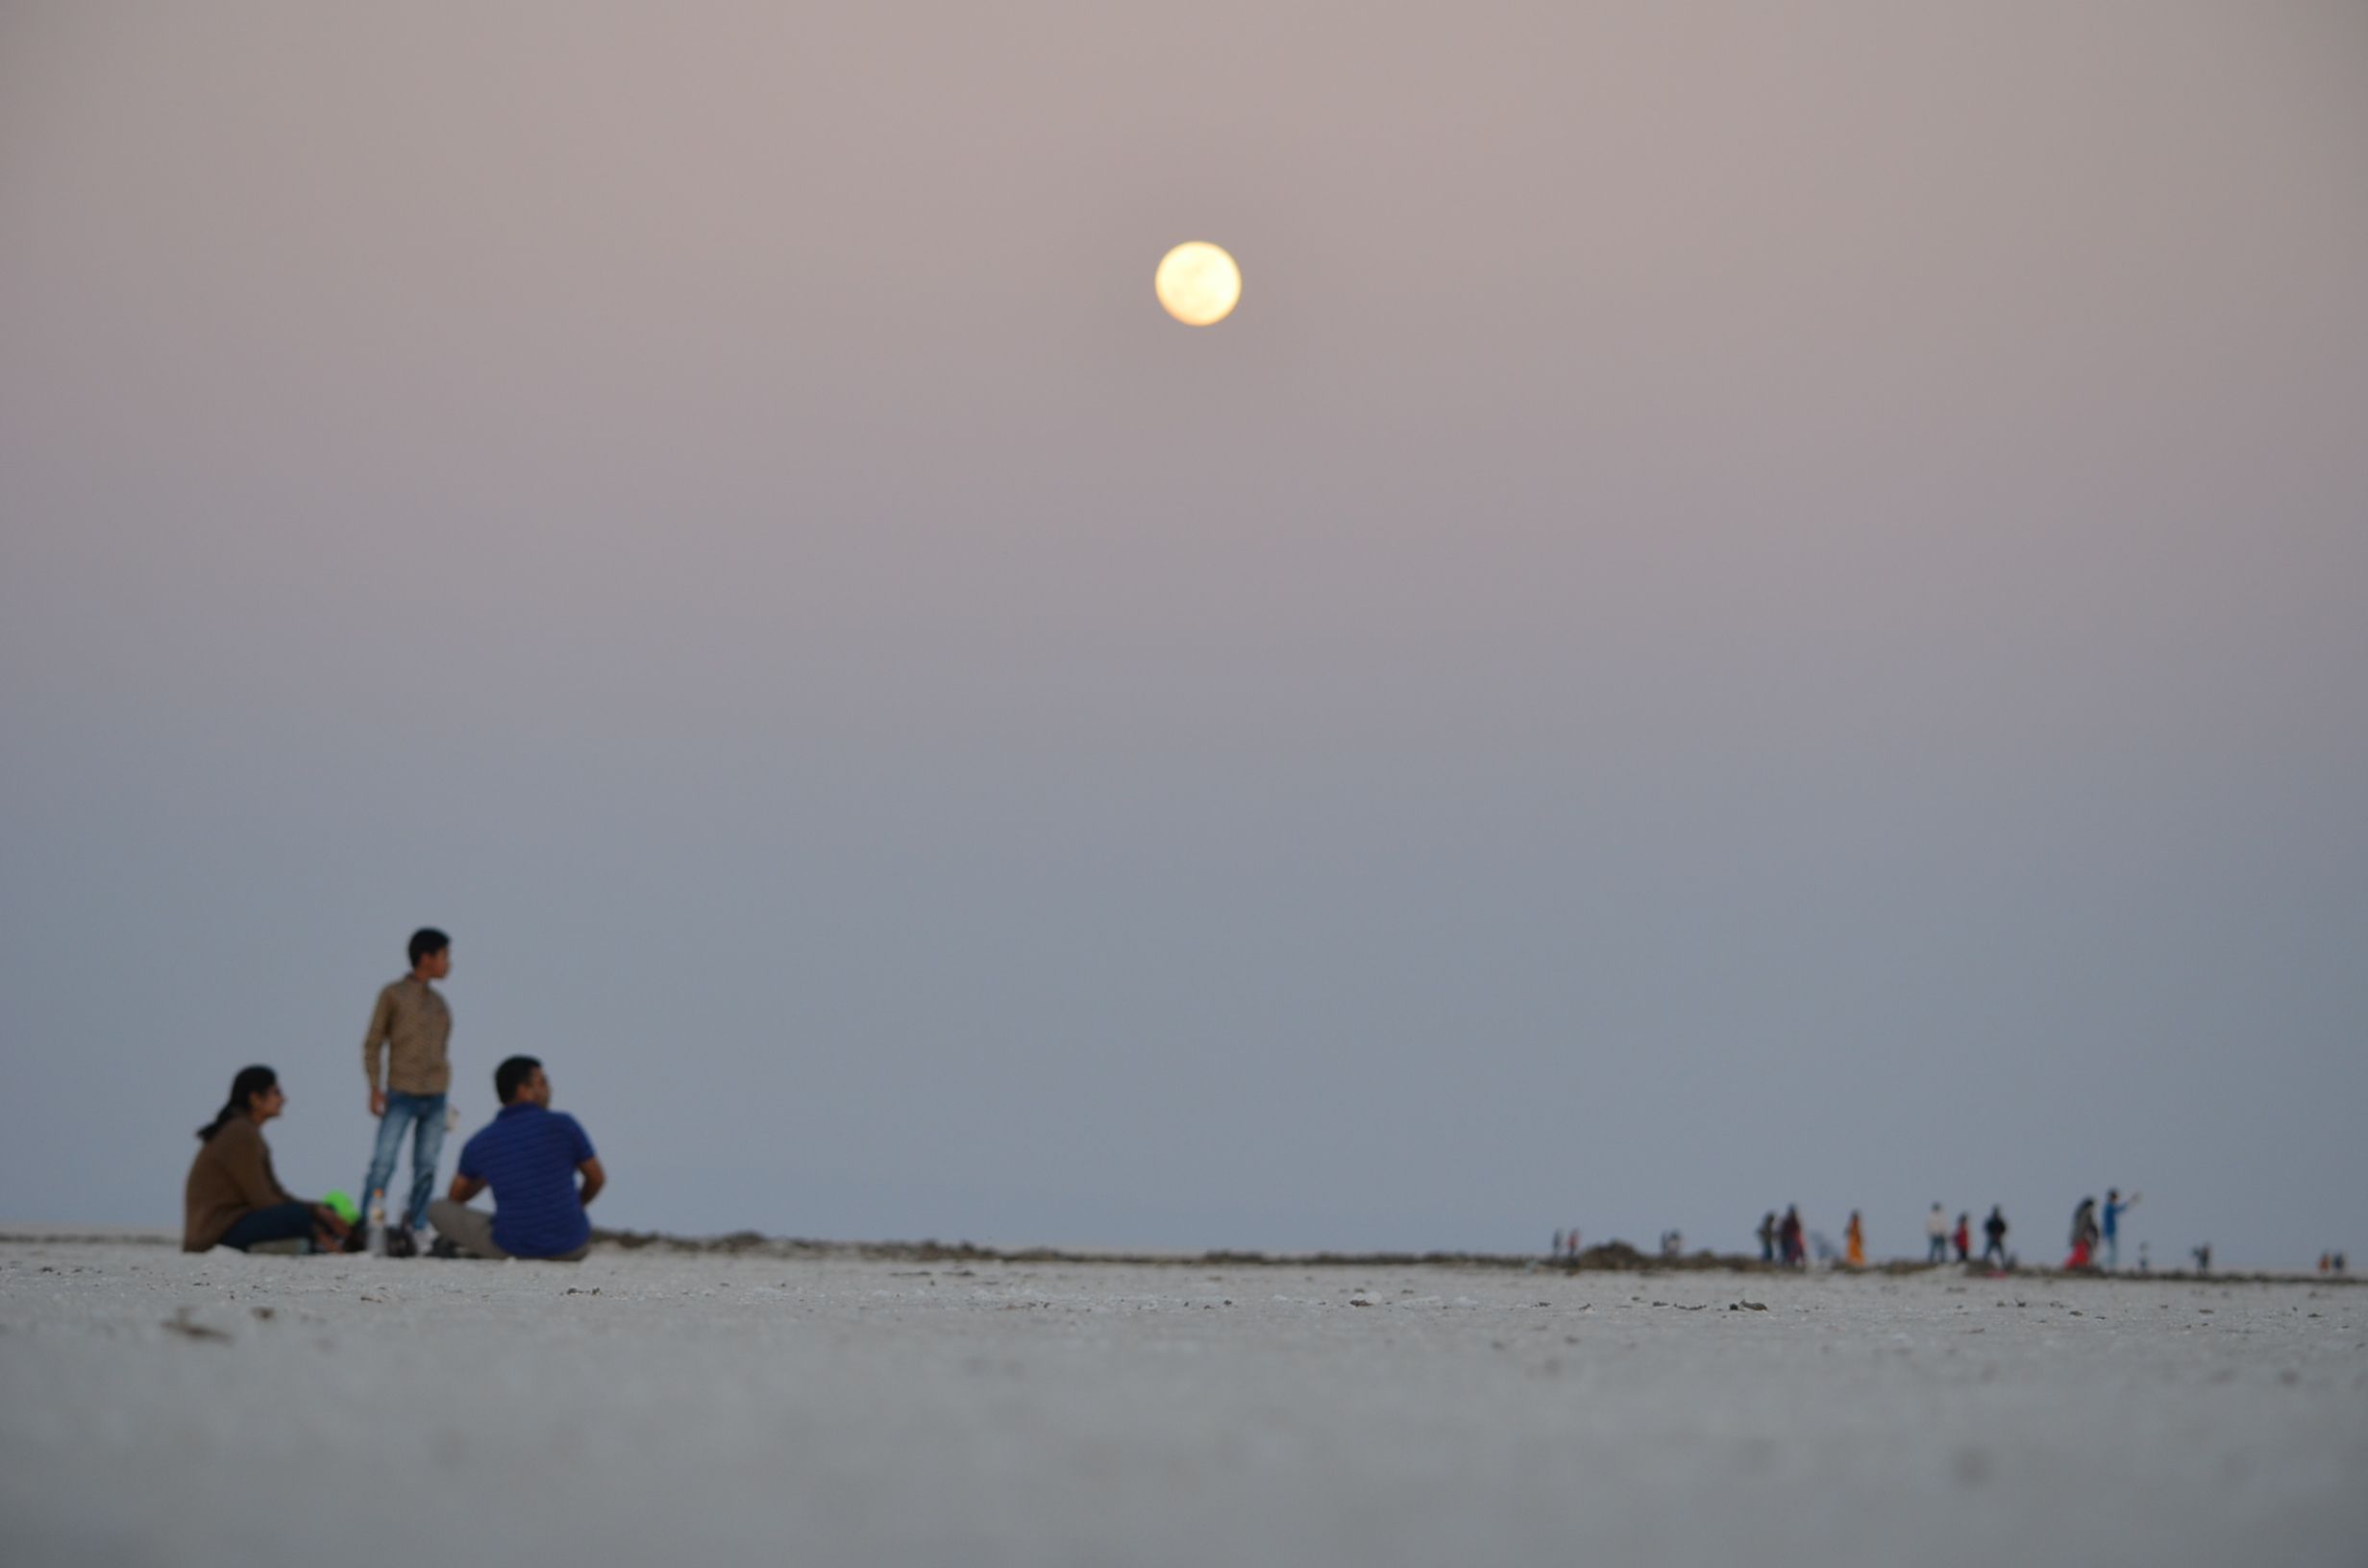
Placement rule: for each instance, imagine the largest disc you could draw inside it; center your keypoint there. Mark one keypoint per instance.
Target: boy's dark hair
(511, 1076)
(426, 942)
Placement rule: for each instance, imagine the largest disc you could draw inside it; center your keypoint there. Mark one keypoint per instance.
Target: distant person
(1768, 1236)
(1962, 1238)
(1558, 1246)
(2114, 1208)
(1937, 1235)
(2142, 1265)
(1789, 1239)
(2203, 1258)
(232, 1198)
(1855, 1235)
(1994, 1236)
(412, 1028)
(530, 1156)
(2085, 1232)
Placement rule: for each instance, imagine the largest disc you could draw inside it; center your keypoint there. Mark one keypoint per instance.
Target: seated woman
(233, 1199)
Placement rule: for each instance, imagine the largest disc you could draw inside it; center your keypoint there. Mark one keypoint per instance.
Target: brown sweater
(231, 1177)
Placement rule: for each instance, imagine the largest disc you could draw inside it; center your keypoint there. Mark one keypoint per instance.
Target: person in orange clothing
(2085, 1234)
(1856, 1237)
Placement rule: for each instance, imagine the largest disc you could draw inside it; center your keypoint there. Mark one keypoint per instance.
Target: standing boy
(414, 1027)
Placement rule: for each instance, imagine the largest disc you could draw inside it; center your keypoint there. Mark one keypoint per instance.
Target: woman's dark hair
(427, 940)
(250, 1082)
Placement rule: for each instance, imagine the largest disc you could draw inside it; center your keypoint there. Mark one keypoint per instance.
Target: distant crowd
(537, 1163)
(2095, 1240)
(2094, 1243)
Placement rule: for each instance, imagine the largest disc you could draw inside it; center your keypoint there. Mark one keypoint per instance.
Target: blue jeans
(424, 1116)
(281, 1222)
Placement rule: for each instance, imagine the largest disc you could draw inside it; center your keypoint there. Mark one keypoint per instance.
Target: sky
(1757, 605)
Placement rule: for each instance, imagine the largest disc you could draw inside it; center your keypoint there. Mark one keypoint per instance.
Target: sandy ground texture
(651, 1408)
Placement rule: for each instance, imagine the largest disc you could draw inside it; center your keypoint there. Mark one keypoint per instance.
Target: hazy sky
(1758, 603)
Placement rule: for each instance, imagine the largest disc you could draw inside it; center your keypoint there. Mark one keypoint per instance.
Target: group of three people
(538, 1162)
(1939, 1236)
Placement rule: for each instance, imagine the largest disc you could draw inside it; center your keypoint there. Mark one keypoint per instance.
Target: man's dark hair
(426, 942)
(511, 1076)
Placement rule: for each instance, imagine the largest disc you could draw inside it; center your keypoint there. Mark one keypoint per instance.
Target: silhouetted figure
(1994, 1234)
(1855, 1235)
(1788, 1239)
(2340, 1265)
(2142, 1265)
(2114, 1206)
(1558, 1246)
(2203, 1258)
(1768, 1236)
(1962, 1238)
(1937, 1235)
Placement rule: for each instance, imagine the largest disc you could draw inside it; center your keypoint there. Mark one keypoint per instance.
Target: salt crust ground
(169, 1409)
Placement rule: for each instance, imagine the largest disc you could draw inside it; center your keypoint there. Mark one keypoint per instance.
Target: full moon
(1197, 283)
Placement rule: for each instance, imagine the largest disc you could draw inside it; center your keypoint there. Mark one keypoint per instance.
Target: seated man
(530, 1156)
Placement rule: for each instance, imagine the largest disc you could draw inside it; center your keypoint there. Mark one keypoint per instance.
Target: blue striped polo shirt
(529, 1156)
